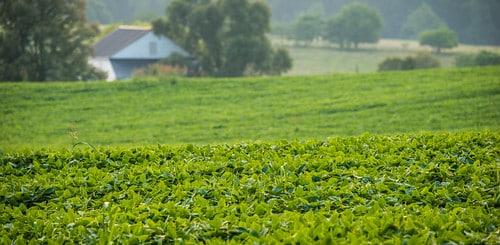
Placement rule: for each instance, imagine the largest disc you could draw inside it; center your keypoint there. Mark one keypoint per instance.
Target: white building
(129, 48)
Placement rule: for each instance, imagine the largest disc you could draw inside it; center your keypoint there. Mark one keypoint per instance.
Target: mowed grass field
(208, 111)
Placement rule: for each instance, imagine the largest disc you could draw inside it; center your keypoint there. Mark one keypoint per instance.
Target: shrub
(177, 59)
(484, 58)
(464, 60)
(390, 64)
(158, 69)
(425, 60)
(422, 60)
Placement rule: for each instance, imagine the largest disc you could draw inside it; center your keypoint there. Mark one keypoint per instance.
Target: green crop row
(401, 189)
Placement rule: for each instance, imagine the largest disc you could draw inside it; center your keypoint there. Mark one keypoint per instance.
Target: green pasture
(205, 111)
(323, 60)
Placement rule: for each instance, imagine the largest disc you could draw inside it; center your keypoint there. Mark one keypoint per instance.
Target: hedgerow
(400, 189)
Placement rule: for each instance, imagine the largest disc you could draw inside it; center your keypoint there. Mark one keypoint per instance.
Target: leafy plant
(415, 188)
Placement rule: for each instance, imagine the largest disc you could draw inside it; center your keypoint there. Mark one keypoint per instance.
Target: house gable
(129, 48)
(148, 46)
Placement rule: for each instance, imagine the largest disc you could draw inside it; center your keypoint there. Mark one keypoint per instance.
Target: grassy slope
(233, 110)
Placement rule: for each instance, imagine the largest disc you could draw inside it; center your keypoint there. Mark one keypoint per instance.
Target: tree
(356, 23)
(439, 39)
(45, 40)
(308, 27)
(336, 30)
(196, 25)
(281, 62)
(227, 37)
(247, 49)
(422, 19)
(246, 56)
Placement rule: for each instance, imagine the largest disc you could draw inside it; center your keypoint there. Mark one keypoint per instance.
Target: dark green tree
(45, 40)
(335, 30)
(422, 19)
(196, 25)
(281, 62)
(356, 23)
(308, 27)
(246, 56)
(439, 39)
(227, 37)
(247, 49)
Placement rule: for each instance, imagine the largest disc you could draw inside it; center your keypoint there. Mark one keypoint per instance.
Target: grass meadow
(209, 111)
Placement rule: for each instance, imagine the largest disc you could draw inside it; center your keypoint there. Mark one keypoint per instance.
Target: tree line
(50, 40)
(474, 21)
(359, 23)
(227, 37)
(124, 11)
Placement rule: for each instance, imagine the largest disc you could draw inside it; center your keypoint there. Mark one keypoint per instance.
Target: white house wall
(103, 64)
(140, 49)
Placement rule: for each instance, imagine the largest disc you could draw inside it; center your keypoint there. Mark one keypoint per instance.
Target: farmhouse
(129, 48)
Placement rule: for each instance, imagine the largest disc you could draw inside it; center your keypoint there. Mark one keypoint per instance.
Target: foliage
(204, 111)
(398, 189)
(396, 63)
(124, 11)
(281, 62)
(228, 38)
(159, 69)
(484, 58)
(45, 41)
(464, 60)
(474, 21)
(308, 27)
(425, 60)
(282, 30)
(422, 19)
(245, 54)
(422, 60)
(356, 23)
(439, 39)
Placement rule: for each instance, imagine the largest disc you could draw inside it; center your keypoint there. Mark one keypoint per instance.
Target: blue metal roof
(118, 40)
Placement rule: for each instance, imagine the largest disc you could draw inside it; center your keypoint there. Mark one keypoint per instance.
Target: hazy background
(474, 21)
